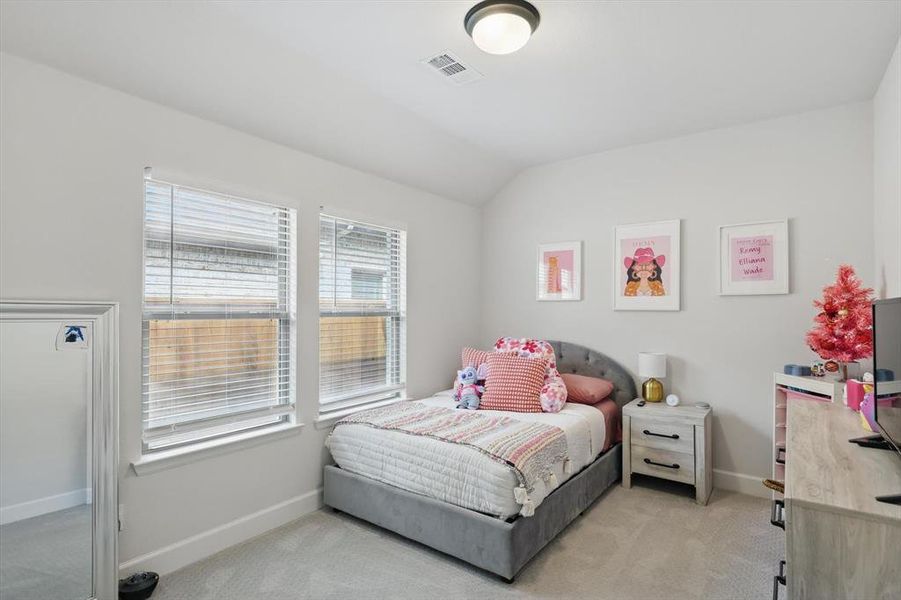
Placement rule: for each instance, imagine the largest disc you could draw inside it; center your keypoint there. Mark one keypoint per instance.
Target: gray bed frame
(501, 547)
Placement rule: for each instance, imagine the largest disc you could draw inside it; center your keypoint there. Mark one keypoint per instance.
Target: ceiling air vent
(452, 69)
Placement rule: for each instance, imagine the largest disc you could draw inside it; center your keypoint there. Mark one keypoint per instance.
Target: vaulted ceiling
(344, 81)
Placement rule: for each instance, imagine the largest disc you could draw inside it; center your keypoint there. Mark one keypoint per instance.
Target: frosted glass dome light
(501, 26)
(501, 33)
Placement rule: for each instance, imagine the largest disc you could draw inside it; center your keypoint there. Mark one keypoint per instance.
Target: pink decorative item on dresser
(854, 393)
(844, 326)
(514, 383)
(553, 392)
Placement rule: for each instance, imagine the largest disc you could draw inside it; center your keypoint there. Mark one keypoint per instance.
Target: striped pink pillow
(514, 383)
(470, 357)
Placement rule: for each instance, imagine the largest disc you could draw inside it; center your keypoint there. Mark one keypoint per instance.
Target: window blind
(219, 312)
(362, 312)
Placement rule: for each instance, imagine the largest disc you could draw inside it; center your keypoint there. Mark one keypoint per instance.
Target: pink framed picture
(559, 274)
(754, 258)
(646, 266)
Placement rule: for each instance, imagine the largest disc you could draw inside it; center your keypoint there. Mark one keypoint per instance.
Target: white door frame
(103, 318)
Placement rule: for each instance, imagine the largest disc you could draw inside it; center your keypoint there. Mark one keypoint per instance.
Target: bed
(453, 500)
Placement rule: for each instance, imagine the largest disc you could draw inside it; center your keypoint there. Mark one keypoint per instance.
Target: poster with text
(754, 258)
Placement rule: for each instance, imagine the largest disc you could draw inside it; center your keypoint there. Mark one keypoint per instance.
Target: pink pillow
(470, 357)
(514, 383)
(553, 394)
(586, 390)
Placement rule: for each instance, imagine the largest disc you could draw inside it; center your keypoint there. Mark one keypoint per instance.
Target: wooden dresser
(840, 542)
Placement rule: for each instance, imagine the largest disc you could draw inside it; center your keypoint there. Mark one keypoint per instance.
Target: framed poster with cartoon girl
(646, 266)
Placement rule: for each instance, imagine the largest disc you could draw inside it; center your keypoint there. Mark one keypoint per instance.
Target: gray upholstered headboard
(572, 358)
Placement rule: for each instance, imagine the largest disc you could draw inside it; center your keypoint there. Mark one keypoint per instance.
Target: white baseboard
(42, 506)
(740, 482)
(197, 547)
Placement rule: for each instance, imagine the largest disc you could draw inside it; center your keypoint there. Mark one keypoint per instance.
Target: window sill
(170, 459)
(327, 419)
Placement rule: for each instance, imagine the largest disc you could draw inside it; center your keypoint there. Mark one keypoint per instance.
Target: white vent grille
(451, 69)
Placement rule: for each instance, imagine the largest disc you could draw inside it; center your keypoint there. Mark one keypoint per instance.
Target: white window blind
(219, 313)
(362, 313)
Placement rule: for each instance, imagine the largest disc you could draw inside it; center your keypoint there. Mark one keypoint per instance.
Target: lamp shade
(651, 364)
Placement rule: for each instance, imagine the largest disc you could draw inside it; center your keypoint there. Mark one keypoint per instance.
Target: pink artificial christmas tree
(844, 328)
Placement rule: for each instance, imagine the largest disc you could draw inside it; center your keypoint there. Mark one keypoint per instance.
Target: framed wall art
(646, 266)
(559, 272)
(754, 258)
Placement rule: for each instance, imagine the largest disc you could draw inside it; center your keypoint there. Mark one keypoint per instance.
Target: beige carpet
(652, 541)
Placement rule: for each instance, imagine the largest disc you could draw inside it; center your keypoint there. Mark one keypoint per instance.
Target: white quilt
(459, 474)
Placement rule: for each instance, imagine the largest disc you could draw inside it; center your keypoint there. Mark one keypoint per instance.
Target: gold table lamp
(652, 365)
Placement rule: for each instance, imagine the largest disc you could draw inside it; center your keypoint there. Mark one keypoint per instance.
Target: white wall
(72, 155)
(814, 168)
(887, 179)
(44, 398)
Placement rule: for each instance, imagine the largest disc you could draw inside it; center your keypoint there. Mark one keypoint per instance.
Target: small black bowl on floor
(138, 586)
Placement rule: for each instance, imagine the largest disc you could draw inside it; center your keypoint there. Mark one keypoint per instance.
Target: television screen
(887, 364)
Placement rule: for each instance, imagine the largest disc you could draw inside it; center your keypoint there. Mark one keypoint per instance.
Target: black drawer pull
(779, 580)
(651, 462)
(778, 506)
(780, 455)
(674, 436)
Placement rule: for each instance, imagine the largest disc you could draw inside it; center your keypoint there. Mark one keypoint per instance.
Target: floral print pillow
(553, 393)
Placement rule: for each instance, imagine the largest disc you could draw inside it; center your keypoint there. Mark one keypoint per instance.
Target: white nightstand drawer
(652, 433)
(677, 466)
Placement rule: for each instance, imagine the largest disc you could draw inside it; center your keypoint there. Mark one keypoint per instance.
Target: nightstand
(670, 442)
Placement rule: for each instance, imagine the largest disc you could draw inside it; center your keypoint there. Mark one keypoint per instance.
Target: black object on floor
(138, 586)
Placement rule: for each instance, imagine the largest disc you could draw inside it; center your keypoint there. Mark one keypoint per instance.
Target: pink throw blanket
(530, 450)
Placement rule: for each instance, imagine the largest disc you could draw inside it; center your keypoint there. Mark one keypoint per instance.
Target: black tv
(887, 369)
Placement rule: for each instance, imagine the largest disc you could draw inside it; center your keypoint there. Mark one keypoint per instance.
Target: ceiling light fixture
(501, 26)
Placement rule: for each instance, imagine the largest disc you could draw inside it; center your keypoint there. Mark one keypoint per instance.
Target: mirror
(57, 451)
(45, 468)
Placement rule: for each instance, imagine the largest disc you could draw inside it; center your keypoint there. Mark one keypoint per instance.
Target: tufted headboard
(572, 358)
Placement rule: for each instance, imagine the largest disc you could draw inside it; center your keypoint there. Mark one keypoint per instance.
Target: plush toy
(470, 391)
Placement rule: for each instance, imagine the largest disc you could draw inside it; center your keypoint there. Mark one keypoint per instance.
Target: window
(362, 313)
(366, 284)
(218, 322)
